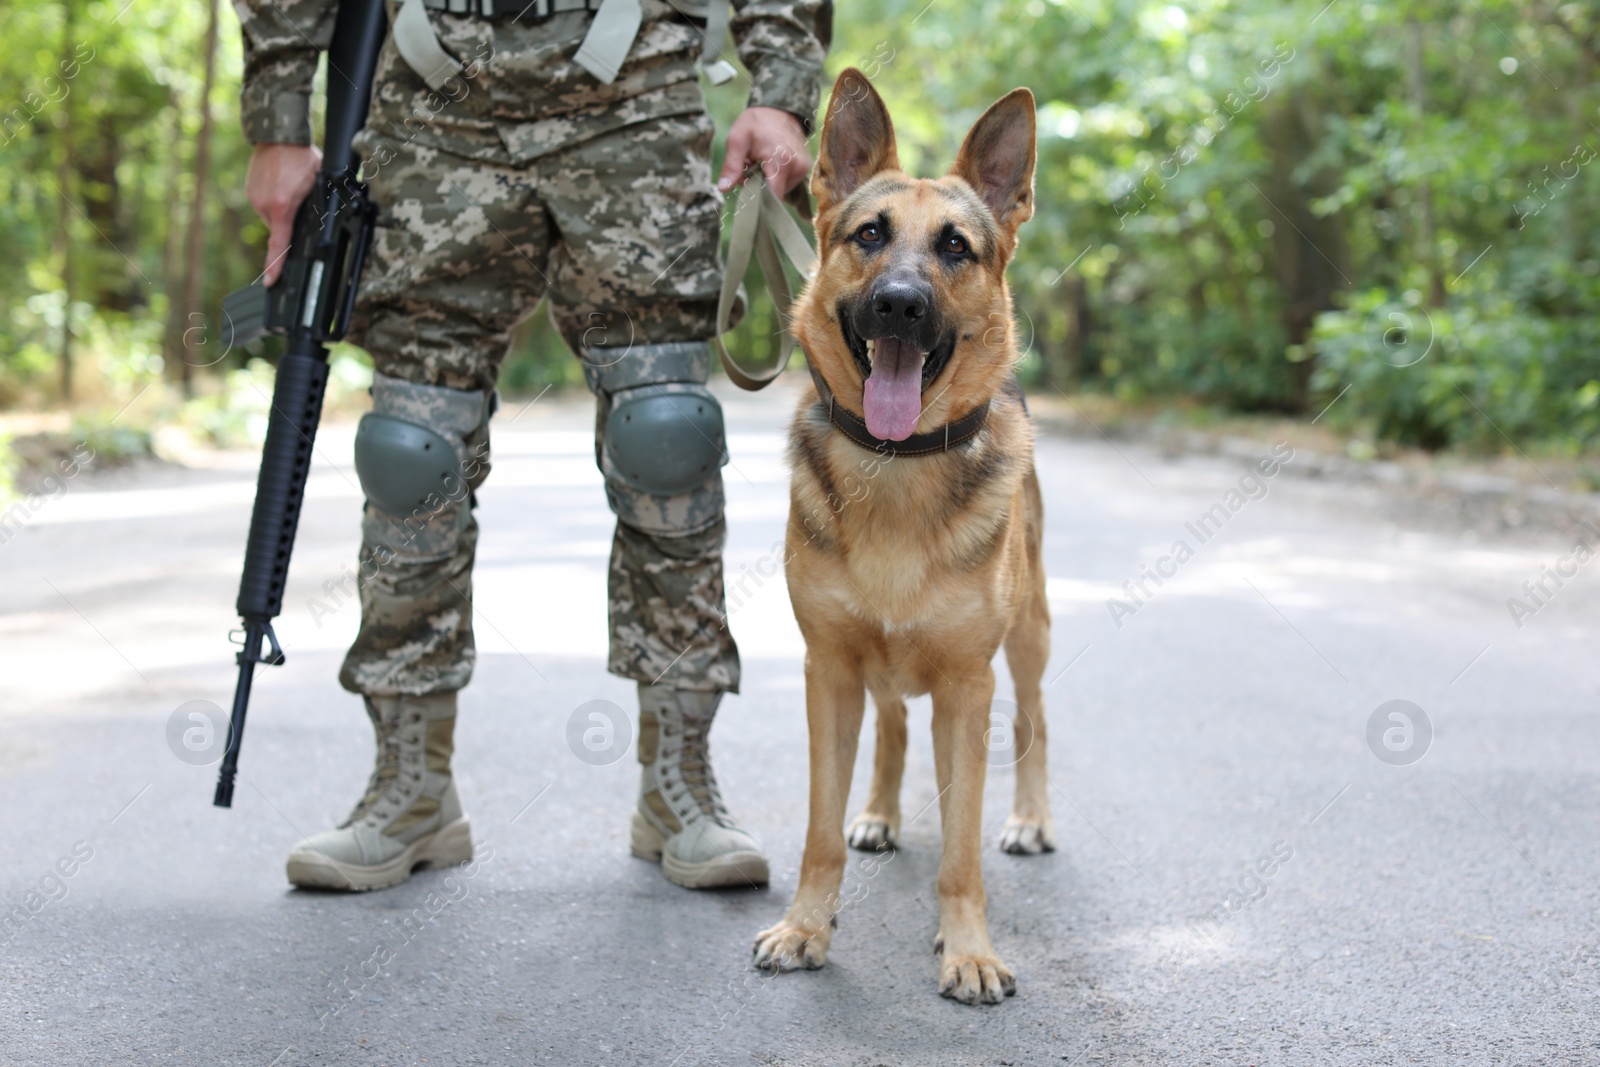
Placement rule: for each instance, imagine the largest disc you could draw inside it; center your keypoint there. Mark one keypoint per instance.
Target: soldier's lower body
(621, 233)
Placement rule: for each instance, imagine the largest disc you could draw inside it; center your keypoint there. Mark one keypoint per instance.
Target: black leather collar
(943, 439)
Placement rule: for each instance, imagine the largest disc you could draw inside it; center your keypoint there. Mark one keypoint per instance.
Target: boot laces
(696, 777)
(385, 777)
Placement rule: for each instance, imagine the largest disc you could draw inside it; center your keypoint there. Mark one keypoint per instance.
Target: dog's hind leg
(878, 825)
(1030, 828)
(835, 700)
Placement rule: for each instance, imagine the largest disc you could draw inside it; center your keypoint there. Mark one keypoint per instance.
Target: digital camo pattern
(455, 414)
(416, 621)
(527, 177)
(415, 576)
(666, 609)
(281, 41)
(614, 369)
(431, 531)
(520, 95)
(665, 606)
(621, 232)
(666, 603)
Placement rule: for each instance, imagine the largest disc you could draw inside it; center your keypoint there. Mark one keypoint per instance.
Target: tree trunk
(1078, 326)
(172, 281)
(1312, 255)
(109, 278)
(68, 162)
(1419, 102)
(1581, 230)
(194, 260)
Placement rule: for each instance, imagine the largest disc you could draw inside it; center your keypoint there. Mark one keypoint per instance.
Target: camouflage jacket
(521, 95)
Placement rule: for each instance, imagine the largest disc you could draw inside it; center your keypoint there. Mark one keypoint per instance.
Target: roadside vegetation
(1380, 216)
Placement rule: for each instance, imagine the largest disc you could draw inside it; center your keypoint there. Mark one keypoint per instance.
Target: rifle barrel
(248, 656)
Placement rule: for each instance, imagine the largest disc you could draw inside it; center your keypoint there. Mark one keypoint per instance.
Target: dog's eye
(870, 233)
(955, 245)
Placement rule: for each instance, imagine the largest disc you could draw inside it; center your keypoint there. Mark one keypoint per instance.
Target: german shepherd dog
(913, 542)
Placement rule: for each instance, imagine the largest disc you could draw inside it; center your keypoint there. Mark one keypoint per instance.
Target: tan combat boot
(410, 815)
(680, 820)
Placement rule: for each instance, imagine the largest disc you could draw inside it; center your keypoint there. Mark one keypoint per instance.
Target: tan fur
(907, 574)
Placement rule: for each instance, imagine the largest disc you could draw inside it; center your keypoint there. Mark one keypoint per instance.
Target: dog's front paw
(788, 946)
(976, 979)
(872, 833)
(1027, 836)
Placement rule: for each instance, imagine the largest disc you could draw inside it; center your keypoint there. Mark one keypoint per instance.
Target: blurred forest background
(1243, 206)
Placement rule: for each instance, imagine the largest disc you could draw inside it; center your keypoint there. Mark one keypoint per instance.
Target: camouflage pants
(621, 233)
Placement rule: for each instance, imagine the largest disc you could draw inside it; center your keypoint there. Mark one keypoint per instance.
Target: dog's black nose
(899, 304)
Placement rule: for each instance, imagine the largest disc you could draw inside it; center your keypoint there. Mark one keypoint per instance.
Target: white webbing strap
(419, 46)
(716, 69)
(761, 227)
(603, 52)
(611, 34)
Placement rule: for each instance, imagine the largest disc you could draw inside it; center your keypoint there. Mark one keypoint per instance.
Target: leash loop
(762, 228)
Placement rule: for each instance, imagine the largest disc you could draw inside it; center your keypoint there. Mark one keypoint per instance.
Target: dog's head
(908, 318)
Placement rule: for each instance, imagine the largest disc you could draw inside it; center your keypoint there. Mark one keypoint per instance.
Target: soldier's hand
(279, 178)
(772, 138)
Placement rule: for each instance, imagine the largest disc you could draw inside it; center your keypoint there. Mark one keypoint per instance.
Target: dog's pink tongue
(893, 394)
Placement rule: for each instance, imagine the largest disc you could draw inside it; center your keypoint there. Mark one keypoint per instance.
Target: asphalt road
(1441, 911)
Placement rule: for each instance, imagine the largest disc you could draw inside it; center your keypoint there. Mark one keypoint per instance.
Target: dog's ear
(997, 159)
(857, 141)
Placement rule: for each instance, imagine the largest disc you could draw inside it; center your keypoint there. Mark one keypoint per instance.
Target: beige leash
(761, 227)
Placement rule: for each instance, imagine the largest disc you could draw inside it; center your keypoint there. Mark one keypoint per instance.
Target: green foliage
(233, 413)
(1481, 375)
(1233, 198)
(1200, 164)
(110, 444)
(99, 112)
(539, 359)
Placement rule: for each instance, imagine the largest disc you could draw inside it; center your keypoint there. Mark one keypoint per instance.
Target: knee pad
(662, 439)
(665, 439)
(419, 454)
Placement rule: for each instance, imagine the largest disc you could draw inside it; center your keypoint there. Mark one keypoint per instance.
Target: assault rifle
(309, 306)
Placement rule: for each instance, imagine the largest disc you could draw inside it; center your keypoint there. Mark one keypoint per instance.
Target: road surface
(1251, 871)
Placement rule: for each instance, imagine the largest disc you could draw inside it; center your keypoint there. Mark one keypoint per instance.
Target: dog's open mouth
(895, 374)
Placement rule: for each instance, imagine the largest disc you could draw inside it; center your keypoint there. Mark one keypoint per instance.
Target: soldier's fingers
(793, 171)
(737, 159)
(775, 168)
(279, 230)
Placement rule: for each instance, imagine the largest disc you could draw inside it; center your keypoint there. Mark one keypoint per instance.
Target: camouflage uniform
(527, 176)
